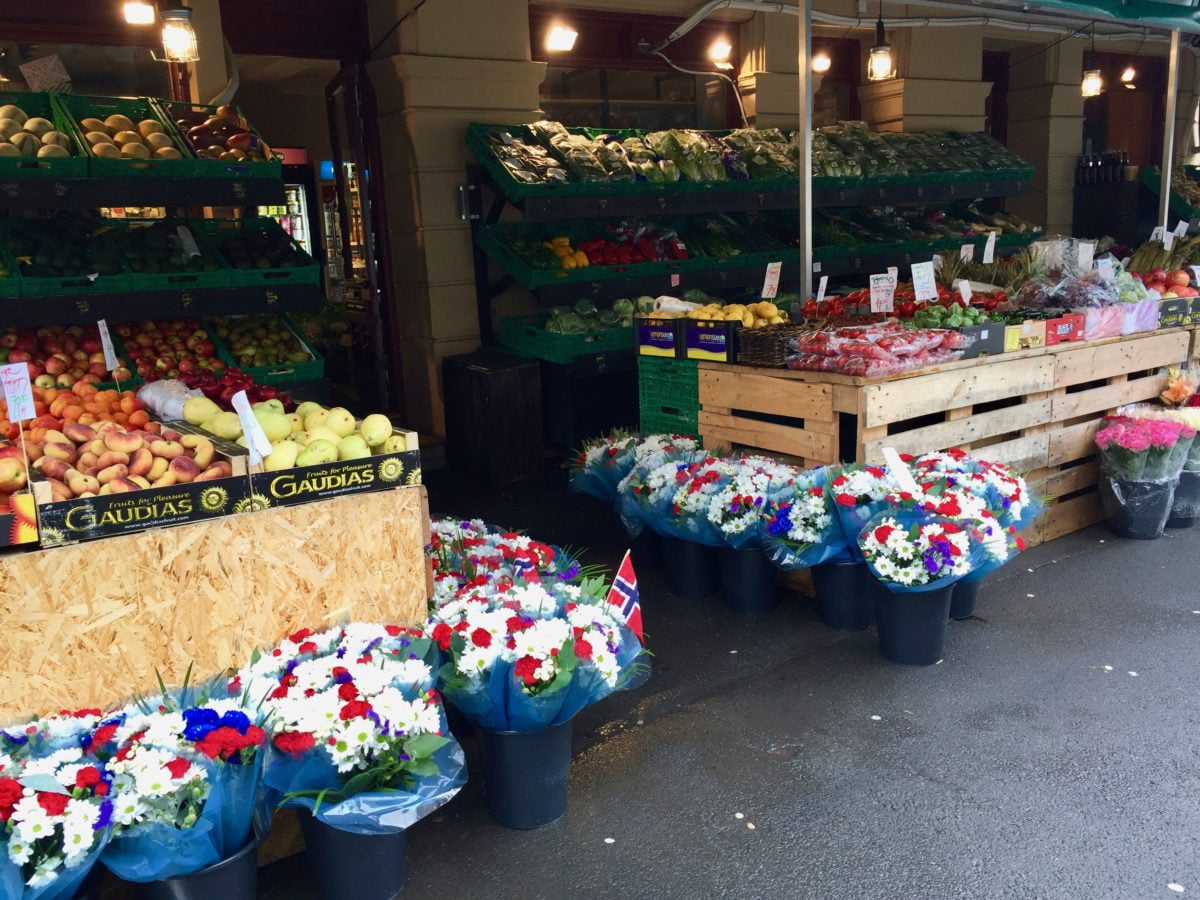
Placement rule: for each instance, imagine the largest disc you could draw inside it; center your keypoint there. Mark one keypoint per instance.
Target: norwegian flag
(624, 595)
(524, 568)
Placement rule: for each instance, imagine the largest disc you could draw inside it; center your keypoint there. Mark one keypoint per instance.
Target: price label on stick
(989, 249)
(1157, 233)
(1181, 228)
(1104, 265)
(924, 283)
(964, 290)
(1086, 251)
(18, 392)
(770, 287)
(1195, 273)
(1169, 240)
(259, 443)
(110, 355)
(967, 252)
(894, 274)
(816, 268)
(824, 283)
(675, 280)
(883, 293)
(900, 472)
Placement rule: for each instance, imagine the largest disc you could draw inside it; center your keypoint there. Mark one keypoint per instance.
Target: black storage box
(589, 397)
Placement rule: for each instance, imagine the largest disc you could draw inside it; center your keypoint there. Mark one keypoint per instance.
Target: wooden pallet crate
(1036, 410)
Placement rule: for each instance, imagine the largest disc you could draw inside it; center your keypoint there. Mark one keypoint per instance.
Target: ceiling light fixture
(139, 13)
(719, 53)
(879, 63)
(561, 39)
(821, 62)
(1092, 84)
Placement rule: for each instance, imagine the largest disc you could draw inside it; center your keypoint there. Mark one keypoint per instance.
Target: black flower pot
(89, 889)
(748, 581)
(350, 866)
(912, 627)
(525, 775)
(690, 569)
(1137, 510)
(646, 550)
(844, 595)
(1185, 508)
(962, 599)
(235, 878)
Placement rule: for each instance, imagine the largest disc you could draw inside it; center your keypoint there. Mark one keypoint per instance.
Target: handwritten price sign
(18, 393)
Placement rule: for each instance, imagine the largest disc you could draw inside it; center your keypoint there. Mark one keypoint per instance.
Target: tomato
(907, 309)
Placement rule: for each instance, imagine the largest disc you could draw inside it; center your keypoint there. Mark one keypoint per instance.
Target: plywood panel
(1066, 481)
(1022, 454)
(766, 394)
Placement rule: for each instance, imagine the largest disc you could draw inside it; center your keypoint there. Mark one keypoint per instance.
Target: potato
(107, 151)
(8, 111)
(57, 138)
(135, 150)
(167, 153)
(94, 125)
(26, 143)
(149, 126)
(118, 122)
(121, 138)
(9, 150)
(52, 150)
(156, 140)
(38, 126)
(97, 137)
(9, 127)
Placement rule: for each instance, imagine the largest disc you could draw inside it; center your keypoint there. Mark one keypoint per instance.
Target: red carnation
(949, 507)
(295, 742)
(53, 804)
(87, 777)
(845, 500)
(481, 637)
(102, 735)
(307, 647)
(10, 792)
(355, 709)
(526, 669)
(300, 635)
(393, 630)
(883, 532)
(583, 649)
(280, 692)
(1021, 541)
(347, 691)
(816, 492)
(178, 767)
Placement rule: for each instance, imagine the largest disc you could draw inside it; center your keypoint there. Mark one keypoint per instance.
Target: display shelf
(94, 193)
(70, 309)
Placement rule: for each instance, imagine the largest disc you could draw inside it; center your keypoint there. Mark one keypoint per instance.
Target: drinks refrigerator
(297, 215)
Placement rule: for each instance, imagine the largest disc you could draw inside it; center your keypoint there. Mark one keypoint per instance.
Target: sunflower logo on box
(391, 470)
(213, 499)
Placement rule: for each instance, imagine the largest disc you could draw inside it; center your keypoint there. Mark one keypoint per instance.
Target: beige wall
(288, 117)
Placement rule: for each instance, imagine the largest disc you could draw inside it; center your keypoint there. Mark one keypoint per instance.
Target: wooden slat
(1109, 397)
(896, 401)
(1089, 363)
(1022, 454)
(1070, 516)
(945, 435)
(1071, 443)
(1065, 481)
(766, 394)
(725, 430)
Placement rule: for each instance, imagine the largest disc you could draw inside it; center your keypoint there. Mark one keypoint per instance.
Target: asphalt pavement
(1054, 753)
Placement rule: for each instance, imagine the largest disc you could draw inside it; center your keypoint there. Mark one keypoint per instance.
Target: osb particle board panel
(89, 624)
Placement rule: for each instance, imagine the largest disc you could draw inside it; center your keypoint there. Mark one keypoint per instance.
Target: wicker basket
(768, 346)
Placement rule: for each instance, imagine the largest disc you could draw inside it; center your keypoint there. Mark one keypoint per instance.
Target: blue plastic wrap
(637, 513)
(906, 519)
(788, 554)
(370, 812)
(852, 520)
(154, 851)
(64, 887)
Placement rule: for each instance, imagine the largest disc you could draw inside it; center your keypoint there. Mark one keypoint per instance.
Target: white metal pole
(1164, 192)
(805, 128)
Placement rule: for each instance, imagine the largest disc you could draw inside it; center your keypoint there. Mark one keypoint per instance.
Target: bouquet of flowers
(1144, 450)
(912, 552)
(799, 524)
(599, 467)
(56, 815)
(646, 493)
(531, 656)
(1005, 492)
(858, 493)
(737, 508)
(697, 488)
(358, 736)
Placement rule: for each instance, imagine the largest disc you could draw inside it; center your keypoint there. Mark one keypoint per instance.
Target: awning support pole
(805, 128)
(1164, 193)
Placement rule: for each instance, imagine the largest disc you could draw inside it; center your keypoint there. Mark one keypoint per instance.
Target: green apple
(306, 407)
(274, 424)
(395, 444)
(315, 417)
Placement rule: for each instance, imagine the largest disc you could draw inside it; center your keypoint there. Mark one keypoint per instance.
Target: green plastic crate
(672, 394)
(43, 106)
(220, 230)
(76, 108)
(159, 281)
(170, 110)
(10, 286)
(311, 370)
(515, 190)
(666, 382)
(65, 284)
(527, 335)
(667, 419)
(675, 369)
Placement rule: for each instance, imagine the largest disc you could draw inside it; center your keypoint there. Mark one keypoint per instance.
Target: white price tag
(110, 355)
(187, 242)
(1104, 265)
(989, 249)
(1169, 240)
(18, 393)
(1086, 251)
(1157, 233)
(924, 283)
(1195, 273)
(816, 268)
(821, 285)
(256, 438)
(894, 272)
(883, 293)
(675, 280)
(964, 290)
(1181, 228)
(900, 472)
(770, 289)
(966, 252)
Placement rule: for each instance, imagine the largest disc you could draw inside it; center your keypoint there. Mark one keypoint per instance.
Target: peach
(12, 475)
(87, 460)
(122, 443)
(167, 448)
(158, 468)
(58, 490)
(168, 435)
(52, 467)
(167, 479)
(105, 427)
(55, 436)
(85, 495)
(202, 448)
(64, 451)
(80, 434)
(96, 447)
(223, 467)
(185, 469)
(212, 473)
(81, 484)
(139, 481)
(116, 471)
(112, 458)
(105, 489)
(141, 461)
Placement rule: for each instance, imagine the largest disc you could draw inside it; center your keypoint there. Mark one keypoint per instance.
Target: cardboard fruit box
(711, 340)
(107, 515)
(659, 336)
(983, 340)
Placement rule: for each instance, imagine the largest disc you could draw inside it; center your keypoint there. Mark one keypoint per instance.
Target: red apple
(19, 356)
(65, 380)
(1151, 275)
(1180, 276)
(50, 345)
(125, 330)
(34, 369)
(55, 365)
(91, 345)
(9, 339)
(122, 374)
(97, 369)
(79, 355)
(1186, 291)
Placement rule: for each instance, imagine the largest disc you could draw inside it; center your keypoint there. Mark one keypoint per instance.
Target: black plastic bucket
(1185, 508)
(689, 569)
(89, 889)
(748, 581)
(912, 627)
(1137, 510)
(235, 878)
(844, 595)
(350, 866)
(962, 599)
(646, 550)
(525, 775)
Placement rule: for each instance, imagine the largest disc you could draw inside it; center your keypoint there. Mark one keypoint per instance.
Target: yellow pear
(198, 410)
(282, 456)
(315, 417)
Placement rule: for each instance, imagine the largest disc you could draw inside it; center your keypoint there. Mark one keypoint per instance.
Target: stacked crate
(668, 395)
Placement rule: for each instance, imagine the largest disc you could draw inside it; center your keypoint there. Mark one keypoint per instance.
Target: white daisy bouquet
(602, 463)
(702, 483)
(799, 524)
(912, 552)
(857, 494)
(1004, 491)
(56, 815)
(738, 507)
(646, 494)
(531, 656)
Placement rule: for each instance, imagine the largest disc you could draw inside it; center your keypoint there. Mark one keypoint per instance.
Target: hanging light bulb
(879, 62)
(1092, 84)
(1129, 74)
(719, 53)
(178, 36)
(821, 62)
(139, 13)
(561, 39)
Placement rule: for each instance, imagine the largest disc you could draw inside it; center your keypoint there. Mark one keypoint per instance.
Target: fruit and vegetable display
(877, 350)
(169, 348)
(83, 402)
(260, 341)
(260, 244)
(943, 226)
(119, 137)
(154, 247)
(220, 132)
(1152, 255)
(585, 318)
(698, 305)
(22, 135)
(63, 246)
(311, 435)
(59, 356)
